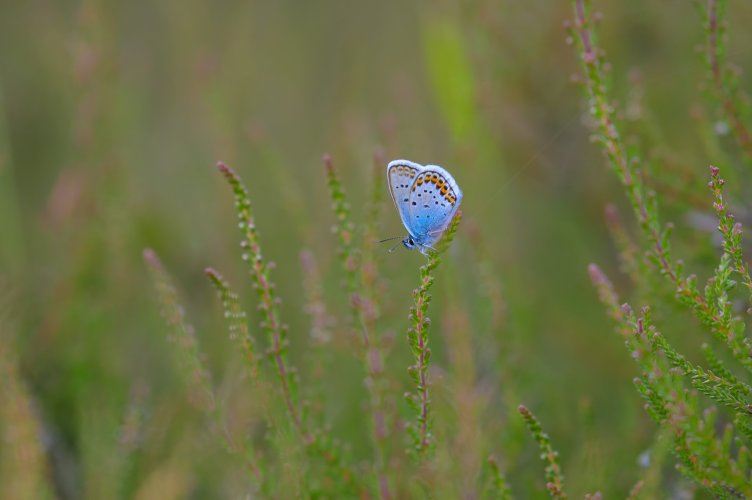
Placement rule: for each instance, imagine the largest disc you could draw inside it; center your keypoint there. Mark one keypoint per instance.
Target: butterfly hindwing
(401, 175)
(433, 199)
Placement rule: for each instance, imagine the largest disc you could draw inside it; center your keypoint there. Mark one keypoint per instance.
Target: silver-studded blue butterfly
(427, 197)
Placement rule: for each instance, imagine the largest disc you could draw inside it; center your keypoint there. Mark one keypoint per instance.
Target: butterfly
(427, 197)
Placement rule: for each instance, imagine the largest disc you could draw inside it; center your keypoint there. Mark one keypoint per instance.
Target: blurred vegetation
(112, 117)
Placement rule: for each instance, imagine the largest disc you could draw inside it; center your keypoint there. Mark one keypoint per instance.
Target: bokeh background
(113, 114)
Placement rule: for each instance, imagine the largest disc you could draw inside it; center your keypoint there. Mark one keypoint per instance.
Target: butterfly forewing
(433, 199)
(401, 175)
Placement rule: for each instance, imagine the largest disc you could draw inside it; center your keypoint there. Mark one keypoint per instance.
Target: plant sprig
(237, 319)
(724, 79)
(734, 395)
(500, 486)
(276, 332)
(317, 443)
(730, 230)
(644, 203)
(22, 457)
(554, 477)
(183, 336)
(359, 284)
(188, 353)
(701, 455)
(417, 336)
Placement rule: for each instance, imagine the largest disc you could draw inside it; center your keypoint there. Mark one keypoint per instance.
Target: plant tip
(150, 256)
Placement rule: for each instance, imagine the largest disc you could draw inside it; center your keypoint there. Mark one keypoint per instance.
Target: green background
(113, 114)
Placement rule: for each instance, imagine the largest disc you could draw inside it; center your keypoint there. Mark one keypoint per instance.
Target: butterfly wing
(433, 200)
(401, 175)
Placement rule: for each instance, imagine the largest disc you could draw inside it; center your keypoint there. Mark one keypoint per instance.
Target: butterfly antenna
(394, 247)
(388, 239)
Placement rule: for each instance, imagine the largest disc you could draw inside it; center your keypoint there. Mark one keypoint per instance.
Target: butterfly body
(426, 197)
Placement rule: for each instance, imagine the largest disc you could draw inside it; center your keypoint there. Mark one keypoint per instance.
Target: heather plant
(672, 386)
(315, 443)
(22, 458)
(418, 339)
(481, 370)
(731, 102)
(360, 274)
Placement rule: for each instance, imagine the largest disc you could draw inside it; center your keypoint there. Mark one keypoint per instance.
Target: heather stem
(728, 93)
(318, 444)
(359, 272)
(418, 338)
(186, 344)
(644, 205)
(730, 230)
(554, 477)
(276, 332)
